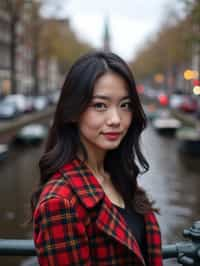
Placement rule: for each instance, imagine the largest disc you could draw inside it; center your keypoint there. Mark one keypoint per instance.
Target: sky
(131, 22)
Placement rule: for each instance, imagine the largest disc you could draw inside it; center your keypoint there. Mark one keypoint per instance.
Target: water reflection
(173, 181)
(18, 174)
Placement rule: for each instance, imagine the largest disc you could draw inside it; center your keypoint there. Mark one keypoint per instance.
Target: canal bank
(9, 128)
(187, 119)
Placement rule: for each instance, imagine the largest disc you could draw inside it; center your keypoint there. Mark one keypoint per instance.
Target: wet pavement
(173, 181)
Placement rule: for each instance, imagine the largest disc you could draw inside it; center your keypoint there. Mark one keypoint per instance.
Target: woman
(88, 208)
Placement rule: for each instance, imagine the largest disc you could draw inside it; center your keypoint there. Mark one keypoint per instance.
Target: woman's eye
(99, 106)
(126, 106)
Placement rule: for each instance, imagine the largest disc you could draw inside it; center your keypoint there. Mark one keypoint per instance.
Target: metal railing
(186, 252)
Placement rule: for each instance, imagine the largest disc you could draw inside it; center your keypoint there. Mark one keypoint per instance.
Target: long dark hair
(63, 141)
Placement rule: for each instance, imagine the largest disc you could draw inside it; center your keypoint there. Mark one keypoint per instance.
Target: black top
(136, 224)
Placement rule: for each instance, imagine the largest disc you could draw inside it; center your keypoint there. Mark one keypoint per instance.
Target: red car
(189, 105)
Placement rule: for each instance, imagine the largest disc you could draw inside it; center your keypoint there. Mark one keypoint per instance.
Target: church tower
(106, 36)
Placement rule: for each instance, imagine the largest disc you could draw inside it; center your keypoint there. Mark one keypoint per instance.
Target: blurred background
(160, 40)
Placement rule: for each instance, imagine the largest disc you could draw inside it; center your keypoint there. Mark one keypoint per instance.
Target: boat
(189, 140)
(164, 123)
(31, 134)
(3, 151)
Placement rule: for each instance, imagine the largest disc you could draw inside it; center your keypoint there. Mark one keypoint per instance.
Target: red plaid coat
(76, 224)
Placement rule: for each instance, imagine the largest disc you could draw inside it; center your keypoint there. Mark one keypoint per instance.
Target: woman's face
(105, 122)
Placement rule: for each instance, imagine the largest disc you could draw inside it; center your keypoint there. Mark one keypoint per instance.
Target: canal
(173, 181)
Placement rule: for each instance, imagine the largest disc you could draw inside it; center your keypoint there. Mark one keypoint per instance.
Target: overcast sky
(131, 22)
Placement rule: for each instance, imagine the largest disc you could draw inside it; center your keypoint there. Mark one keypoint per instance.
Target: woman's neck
(97, 168)
(95, 157)
(95, 162)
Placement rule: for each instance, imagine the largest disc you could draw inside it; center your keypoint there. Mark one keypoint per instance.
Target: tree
(35, 25)
(48, 38)
(59, 41)
(193, 15)
(165, 52)
(14, 9)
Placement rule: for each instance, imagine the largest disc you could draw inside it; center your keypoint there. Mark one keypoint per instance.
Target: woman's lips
(112, 135)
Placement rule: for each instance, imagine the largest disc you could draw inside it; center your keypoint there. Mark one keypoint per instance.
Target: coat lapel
(112, 223)
(109, 219)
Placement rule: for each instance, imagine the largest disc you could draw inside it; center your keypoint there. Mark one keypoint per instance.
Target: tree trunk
(35, 65)
(35, 46)
(13, 48)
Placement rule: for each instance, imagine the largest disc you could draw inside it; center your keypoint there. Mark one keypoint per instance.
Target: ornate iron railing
(186, 252)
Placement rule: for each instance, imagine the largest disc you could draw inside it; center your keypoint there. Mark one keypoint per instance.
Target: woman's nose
(113, 117)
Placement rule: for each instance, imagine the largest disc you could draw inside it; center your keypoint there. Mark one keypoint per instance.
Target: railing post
(189, 253)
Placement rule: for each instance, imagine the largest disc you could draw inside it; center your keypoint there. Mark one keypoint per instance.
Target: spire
(106, 35)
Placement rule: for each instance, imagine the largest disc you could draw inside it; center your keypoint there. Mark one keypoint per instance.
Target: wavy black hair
(124, 163)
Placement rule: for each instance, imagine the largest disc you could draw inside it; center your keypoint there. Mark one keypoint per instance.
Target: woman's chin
(110, 146)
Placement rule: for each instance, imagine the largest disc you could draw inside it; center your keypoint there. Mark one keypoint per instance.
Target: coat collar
(83, 183)
(90, 193)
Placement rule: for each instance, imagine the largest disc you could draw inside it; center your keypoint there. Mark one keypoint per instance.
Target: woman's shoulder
(75, 184)
(58, 185)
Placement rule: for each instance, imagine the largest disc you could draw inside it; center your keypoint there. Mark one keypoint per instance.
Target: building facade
(4, 53)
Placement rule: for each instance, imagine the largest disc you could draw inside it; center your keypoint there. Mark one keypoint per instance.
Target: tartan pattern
(75, 223)
(153, 239)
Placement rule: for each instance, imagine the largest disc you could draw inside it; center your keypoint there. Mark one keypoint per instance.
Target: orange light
(190, 74)
(159, 78)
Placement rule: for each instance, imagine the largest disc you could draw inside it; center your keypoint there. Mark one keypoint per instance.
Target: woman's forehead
(110, 84)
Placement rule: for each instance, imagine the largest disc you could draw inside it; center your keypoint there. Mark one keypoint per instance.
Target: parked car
(189, 105)
(184, 102)
(8, 110)
(29, 104)
(150, 93)
(176, 100)
(40, 103)
(19, 100)
(53, 97)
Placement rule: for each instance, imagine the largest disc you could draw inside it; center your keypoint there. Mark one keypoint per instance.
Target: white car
(19, 100)
(8, 111)
(176, 100)
(40, 103)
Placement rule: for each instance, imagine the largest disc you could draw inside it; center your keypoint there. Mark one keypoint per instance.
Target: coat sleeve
(154, 242)
(60, 237)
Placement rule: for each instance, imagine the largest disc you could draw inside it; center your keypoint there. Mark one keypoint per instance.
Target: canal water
(173, 182)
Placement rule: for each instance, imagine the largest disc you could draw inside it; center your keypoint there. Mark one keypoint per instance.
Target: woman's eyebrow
(103, 97)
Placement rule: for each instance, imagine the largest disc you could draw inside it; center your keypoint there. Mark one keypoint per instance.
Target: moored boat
(3, 151)
(188, 140)
(166, 125)
(31, 134)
